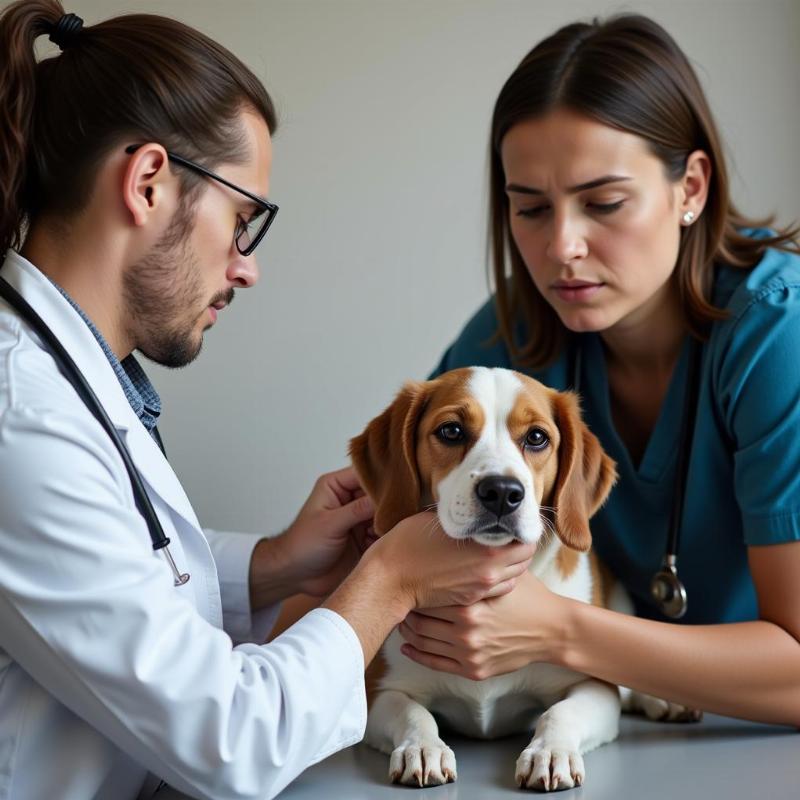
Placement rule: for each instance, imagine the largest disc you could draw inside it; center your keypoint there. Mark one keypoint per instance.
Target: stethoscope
(666, 587)
(70, 371)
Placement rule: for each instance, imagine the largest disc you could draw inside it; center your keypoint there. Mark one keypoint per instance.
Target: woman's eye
(536, 211)
(536, 439)
(605, 208)
(450, 433)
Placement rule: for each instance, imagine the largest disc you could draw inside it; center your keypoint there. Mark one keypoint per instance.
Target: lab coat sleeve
(90, 612)
(232, 553)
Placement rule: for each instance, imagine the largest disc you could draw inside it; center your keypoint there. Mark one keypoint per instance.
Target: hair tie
(65, 30)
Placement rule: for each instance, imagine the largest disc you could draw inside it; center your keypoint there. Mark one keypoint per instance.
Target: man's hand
(416, 565)
(431, 569)
(319, 548)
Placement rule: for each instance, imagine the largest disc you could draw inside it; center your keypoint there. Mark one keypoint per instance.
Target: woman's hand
(490, 637)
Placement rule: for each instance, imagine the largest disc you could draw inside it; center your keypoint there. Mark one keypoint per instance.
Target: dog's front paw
(422, 763)
(661, 710)
(547, 768)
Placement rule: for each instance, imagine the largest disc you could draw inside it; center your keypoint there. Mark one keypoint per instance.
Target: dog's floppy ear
(385, 458)
(585, 474)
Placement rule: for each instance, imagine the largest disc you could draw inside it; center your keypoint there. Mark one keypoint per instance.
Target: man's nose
(243, 271)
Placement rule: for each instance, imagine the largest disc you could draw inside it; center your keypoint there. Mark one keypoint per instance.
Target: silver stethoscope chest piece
(668, 591)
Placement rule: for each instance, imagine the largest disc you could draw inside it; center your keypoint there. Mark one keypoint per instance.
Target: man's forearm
(749, 669)
(273, 574)
(371, 603)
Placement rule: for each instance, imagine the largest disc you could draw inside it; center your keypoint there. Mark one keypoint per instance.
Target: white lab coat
(107, 671)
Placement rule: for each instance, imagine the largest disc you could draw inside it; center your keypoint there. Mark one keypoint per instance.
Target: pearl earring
(688, 218)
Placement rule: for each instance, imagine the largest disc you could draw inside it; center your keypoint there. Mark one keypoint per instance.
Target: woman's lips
(576, 291)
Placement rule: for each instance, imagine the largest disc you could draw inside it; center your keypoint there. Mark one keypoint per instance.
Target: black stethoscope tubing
(71, 372)
(666, 588)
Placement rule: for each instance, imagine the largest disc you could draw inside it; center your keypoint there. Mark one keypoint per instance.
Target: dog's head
(494, 450)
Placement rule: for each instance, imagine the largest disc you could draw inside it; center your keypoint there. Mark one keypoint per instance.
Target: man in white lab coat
(135, 168)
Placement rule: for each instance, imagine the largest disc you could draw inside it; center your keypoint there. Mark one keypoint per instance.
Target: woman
(610, 203)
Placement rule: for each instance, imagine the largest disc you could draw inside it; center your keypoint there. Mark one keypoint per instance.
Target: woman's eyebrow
(581, 187)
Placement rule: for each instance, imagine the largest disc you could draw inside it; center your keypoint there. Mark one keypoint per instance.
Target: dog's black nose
(500, 494)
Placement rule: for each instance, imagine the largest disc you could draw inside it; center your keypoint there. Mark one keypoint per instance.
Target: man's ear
(144, 183)
(385, 457)
(585, 474)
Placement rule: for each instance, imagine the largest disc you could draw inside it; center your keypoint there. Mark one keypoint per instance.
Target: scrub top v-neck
(743, 484)
(662, 444)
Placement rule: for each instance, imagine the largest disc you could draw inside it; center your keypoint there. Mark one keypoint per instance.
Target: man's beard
(163, 296)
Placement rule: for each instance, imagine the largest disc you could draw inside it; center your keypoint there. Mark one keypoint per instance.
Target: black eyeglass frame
(270, 209)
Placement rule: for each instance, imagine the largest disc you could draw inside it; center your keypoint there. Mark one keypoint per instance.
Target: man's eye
(536, 439)
(450, 433)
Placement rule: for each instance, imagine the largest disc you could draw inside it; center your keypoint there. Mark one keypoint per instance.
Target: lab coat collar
(80, 343)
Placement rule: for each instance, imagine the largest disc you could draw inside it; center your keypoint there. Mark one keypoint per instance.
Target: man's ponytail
(20, 25)
(130, 79)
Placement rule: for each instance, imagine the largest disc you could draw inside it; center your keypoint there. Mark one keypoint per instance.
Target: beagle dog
(500, 457)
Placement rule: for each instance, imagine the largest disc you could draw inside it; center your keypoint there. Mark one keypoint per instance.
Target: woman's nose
(567, 240)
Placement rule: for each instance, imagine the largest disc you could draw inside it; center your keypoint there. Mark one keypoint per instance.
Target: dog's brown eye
(450, 433)
(536, 439)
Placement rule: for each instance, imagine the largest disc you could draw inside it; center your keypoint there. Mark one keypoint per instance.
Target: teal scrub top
(743, 484)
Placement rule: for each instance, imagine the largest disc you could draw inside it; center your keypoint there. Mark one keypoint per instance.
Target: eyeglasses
(248, 233)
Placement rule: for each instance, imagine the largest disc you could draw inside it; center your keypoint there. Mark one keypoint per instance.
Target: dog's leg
(407, 731)
(655, 708)
(586, 718)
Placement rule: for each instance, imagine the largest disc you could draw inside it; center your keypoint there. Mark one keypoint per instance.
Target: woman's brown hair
(129, 79)
(628, 73)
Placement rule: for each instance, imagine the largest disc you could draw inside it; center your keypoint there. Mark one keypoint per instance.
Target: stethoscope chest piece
(668, 591)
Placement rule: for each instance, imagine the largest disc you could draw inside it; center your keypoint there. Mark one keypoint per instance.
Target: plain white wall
(378, 254)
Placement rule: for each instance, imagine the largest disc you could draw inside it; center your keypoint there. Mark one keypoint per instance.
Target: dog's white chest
(503, 715)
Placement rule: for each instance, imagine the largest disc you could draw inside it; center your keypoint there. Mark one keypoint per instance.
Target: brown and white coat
(500, 457)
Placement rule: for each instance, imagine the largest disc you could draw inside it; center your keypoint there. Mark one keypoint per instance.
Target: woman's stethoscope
(70, 371)
(666, 587)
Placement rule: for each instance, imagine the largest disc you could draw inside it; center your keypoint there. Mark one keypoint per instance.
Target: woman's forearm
(749, 669)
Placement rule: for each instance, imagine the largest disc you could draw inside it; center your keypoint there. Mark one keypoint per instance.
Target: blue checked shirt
(141, 395)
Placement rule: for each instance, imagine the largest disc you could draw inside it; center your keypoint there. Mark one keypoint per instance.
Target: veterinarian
(135, 167)
(635, 280)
